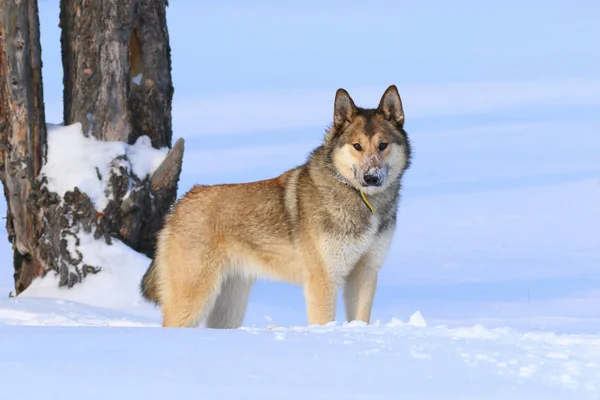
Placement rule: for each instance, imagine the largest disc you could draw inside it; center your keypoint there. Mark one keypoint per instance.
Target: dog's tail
(148, 287)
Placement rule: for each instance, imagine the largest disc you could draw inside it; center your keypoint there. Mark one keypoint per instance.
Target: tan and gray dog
(325, 224)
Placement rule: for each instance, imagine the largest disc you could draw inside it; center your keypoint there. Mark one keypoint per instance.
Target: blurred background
(499, 221)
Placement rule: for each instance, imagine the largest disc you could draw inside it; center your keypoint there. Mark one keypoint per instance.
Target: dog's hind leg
(230, 306)
(191, 290)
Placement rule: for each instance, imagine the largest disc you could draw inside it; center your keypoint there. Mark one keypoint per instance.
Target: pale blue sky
(501, 103)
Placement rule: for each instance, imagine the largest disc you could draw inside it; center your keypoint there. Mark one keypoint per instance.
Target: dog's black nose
(372, 180)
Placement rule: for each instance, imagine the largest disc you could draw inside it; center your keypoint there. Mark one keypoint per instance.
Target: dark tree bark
(22, 133)
(117, 77)
(117, 63)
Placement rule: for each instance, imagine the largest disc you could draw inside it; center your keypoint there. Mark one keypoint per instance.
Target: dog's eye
(357, 146)
(382, 146)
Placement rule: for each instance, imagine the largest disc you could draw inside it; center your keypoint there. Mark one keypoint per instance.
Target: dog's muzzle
(374, 177)
(372, 180)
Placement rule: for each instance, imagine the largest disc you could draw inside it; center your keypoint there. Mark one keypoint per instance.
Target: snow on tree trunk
(118, 91)
(22, 133)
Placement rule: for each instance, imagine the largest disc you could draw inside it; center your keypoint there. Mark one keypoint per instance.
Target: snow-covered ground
(495, 265)
(396, 360)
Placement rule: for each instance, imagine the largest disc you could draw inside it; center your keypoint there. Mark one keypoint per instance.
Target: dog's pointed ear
(391, 106)
(343, 108)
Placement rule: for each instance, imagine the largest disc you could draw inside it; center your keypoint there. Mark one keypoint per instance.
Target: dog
(326, 224)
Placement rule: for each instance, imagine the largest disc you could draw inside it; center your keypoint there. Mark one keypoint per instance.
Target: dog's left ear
(391, 106)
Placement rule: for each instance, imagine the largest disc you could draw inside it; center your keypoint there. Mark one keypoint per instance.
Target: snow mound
(29, 311)
(74, 160)
(416, 320)
(115, 286)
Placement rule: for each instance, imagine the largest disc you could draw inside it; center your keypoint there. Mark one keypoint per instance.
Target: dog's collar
(362, 194)
(364, 197)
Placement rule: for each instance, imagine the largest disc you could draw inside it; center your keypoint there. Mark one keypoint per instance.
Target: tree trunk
(22, 133)
(117, 65)
(117, 81)
(117, 78)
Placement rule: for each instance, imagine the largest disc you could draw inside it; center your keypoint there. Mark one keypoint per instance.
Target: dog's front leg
(361, 283)
(359, 291)
(320, 293)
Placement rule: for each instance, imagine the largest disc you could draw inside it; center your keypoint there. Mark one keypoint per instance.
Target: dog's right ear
(343, 108)
(391, 106)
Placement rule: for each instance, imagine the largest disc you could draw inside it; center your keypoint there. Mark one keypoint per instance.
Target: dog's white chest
(341, 252)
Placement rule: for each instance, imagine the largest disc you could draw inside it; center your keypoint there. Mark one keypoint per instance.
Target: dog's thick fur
(309, 226)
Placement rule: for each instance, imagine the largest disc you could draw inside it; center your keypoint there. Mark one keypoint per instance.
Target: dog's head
(369, 148)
